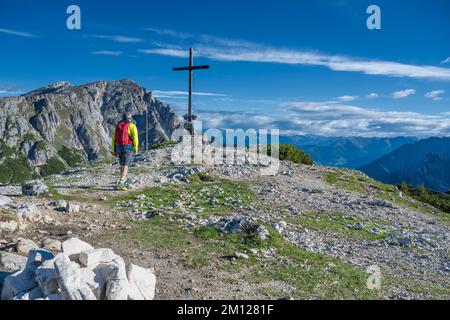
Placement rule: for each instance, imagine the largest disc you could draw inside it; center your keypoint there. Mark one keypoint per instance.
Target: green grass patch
(53, 166)
(14, 167)
(339, 223)
(356, 181)
(346, 180)
(70, 156)
(164, 144)
(55, 193)
(312, 275)
(201, 198)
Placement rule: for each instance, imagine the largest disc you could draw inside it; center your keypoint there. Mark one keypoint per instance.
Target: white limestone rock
(96, 278)
(37, 257)
(117, 287)
(11, 262)
(24, 246)
(51, 245)
(142, 283)
(95, 256)
(4, 200)
(55, 296)
(18, 282)
(72, 208)
(33, 294)
(34, 188)
(9, 225)
(70, 281)
(46, 277)
(73, 246)
(28, 212)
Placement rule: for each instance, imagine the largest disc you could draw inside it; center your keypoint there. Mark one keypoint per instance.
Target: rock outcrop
(49, 129)
(79, 272)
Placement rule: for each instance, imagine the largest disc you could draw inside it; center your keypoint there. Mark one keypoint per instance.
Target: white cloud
(119, 38)
(9, 90)
(220, 49)
(166, 52)
(108, 53)
(403, 93)
(446, 60)
(170, 33)
(183, 94)
(373, 95)
(17, 33)
(347, 98)
(332, 119)
(435, 95)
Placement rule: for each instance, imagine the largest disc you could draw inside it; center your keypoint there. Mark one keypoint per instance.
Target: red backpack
(122, 137)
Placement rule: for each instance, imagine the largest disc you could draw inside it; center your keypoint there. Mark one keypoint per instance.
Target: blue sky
(300, 66)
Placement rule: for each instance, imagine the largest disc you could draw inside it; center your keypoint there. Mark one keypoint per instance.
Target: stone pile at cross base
(74, 271)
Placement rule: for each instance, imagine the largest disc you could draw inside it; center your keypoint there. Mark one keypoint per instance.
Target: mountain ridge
(349, 152)
(426, 162)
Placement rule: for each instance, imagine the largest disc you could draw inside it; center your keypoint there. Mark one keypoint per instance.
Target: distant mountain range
(350, 152)
(424, 162)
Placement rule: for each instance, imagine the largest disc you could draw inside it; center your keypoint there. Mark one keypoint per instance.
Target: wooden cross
(189, 116)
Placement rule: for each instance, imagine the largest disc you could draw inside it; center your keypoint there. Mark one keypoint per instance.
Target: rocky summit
(51, 128)
(219, 231)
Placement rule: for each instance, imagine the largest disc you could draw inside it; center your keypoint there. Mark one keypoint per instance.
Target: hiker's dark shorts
(124, 157)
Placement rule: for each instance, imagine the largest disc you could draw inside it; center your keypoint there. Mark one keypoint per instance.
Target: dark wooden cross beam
(190, 68)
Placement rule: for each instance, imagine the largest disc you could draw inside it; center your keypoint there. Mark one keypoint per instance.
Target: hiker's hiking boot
(121, 185)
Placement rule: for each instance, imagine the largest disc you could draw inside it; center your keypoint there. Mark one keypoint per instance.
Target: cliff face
(59, 124)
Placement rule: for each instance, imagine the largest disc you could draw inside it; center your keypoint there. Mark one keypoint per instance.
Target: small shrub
(292, 153)
(163, 144)
(439, 200)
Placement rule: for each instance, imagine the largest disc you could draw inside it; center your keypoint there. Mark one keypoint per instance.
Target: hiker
(125, 142)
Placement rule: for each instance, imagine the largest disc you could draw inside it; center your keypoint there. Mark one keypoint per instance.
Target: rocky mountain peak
(51, 127)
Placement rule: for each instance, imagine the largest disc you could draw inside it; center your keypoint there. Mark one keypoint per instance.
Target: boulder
(72, 208)
(33, 294)
(24, 246)
(142, 283)
(55, 296)
(18, 282)
(95, 277)
(3, 276)
(262, 232)
(4, 200)
(241, 255)
(12, 262)
(242, 224)
(70, 281)
(34, 188)
(117, 287)
(73, 246)
(235, 224)
(8, 225)
(51, 245)
(46, 277)
(95, 256)
(28, 212)
(37, 257)
(59, 205)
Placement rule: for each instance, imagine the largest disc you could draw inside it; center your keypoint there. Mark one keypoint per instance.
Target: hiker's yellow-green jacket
(133, 133)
